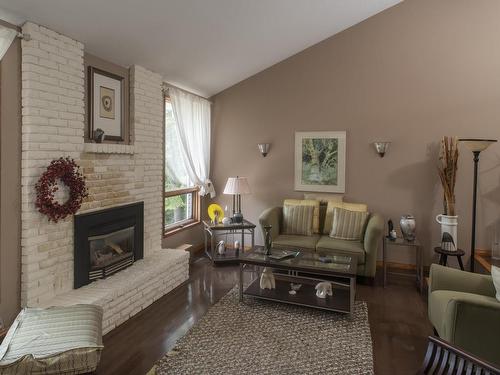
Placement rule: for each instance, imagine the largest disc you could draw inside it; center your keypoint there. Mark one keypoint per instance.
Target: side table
(234, 229)
(418, 258)
(444, 254)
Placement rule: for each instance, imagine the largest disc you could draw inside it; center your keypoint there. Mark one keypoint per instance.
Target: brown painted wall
(410, 75)
(10, 179)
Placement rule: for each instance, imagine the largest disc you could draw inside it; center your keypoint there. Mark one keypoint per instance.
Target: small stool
(443, 256)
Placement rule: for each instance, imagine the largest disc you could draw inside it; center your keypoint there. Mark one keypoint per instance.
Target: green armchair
(464, 311)
(365, 251)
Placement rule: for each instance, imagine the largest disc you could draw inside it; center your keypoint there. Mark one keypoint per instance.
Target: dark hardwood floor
(397, 314)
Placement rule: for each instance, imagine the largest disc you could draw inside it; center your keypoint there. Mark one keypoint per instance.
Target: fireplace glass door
(110, 252)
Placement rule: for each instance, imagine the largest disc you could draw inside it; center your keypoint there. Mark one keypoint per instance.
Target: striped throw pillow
(327, 226)
(298, 220)
(348, 225)
(307, 202)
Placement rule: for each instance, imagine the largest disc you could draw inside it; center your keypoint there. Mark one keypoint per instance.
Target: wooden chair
(445, 359)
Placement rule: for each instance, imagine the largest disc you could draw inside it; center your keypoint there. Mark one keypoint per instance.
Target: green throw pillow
(348, 225)
(298, 220)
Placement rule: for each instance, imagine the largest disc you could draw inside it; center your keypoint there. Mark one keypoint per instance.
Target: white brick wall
(52, 127)
(147, 113)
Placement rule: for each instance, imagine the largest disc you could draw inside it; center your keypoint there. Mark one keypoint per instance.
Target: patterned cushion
(327, 227)
(298, 220)
(57, 340)
(306, 202)
(348, 225)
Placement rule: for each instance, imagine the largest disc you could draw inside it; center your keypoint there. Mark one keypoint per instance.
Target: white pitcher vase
(449, 224)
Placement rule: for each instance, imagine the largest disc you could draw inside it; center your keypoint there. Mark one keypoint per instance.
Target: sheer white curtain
(7, 35)
(192, 118)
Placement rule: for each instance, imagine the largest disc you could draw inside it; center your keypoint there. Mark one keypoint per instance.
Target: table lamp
(236, 186)
(476, 146)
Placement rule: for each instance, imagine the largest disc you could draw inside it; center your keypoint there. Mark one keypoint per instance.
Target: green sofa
(464, 311)
(365, 250)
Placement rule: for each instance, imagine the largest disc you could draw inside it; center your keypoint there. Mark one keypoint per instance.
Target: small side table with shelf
(400, 242)
(234, 229)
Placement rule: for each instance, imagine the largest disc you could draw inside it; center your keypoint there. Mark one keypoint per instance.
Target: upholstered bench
(56, 340)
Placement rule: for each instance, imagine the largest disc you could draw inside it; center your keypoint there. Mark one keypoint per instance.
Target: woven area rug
(262, 337)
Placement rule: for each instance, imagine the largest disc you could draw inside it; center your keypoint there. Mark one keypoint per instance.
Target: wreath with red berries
(63, 170)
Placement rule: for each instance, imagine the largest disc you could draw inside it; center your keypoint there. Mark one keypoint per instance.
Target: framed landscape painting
(320, 161)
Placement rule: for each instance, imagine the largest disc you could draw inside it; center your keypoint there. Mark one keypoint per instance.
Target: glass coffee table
(305, 270)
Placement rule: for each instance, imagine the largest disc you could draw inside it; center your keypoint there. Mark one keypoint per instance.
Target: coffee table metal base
(342, 300)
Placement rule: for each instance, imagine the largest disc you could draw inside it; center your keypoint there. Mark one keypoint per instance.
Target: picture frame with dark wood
(106, 104)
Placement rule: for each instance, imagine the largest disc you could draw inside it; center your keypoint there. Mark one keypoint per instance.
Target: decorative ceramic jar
(449, 225)
(408, 225)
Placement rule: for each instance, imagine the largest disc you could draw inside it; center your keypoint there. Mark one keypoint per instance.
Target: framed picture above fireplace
(320, 161)
(107, 102)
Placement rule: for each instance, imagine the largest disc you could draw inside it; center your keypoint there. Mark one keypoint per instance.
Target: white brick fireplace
(53, 127)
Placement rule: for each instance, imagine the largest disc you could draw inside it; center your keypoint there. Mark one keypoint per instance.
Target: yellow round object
(212, 209)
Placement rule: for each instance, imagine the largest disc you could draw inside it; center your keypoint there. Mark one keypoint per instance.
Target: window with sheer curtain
(187, 159)
(181, 199)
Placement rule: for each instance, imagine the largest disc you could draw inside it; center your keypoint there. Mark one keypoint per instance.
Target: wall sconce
(381, 148)
(263, 148)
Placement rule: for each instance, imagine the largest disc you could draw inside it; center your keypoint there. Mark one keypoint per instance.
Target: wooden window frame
(182, 225)
(194, 191)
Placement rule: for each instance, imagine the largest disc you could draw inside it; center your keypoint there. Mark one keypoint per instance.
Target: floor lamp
(476, 146)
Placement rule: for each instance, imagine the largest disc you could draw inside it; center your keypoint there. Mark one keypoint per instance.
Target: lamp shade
(477, 145)
(237, 185)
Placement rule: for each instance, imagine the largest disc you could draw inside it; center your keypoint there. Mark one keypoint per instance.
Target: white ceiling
(202, 45)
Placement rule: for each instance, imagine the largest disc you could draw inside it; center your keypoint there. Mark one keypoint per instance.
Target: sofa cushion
(332, 246)
(348, 225)
(57, 340)
(306, 202)
(288, 241)
(298, 220)
(438, 305)
(327, 226)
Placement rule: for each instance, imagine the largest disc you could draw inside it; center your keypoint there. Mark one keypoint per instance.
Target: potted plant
(447, 169)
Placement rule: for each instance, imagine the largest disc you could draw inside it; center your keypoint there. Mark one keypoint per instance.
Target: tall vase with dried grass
(447, 170)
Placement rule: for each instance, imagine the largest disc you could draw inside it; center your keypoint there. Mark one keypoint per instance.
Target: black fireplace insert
(107, 241)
